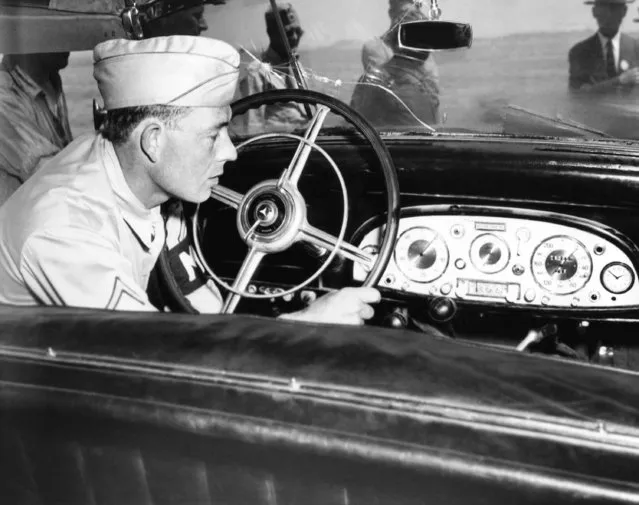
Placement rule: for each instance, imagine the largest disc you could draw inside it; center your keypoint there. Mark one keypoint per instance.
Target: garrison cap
(178, 70)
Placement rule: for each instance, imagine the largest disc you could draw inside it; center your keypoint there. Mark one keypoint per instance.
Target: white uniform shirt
(75, 235)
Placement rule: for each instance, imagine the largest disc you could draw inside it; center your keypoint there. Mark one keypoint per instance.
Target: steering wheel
(271, 216)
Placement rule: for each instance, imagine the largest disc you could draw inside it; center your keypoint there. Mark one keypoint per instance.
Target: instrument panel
(510, 260)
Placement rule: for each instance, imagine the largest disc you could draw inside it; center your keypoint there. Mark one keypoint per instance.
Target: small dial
(421, 254)
(617, 278)
(561, 265)
(489, 253)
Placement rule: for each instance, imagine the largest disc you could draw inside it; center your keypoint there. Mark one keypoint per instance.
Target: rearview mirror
(434, 35)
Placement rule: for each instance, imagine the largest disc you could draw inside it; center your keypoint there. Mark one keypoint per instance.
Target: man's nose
(227, 149)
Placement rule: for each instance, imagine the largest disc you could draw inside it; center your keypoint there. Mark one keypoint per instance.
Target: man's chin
(202, 197)
(205, 193)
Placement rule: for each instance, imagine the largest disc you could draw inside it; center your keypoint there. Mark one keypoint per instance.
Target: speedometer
(421, 254)
(561, 265)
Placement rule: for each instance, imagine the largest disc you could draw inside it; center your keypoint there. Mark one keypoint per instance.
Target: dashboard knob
(442, 310)
(460, 264)
(397, 319)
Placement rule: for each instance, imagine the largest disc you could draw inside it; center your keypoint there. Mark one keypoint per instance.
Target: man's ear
(151, 138)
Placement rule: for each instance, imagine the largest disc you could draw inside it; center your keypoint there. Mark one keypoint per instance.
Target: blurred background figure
(377, 51)
(34, 119)
(403, 91)
(185, 22)
(608, 60)
(273, 71)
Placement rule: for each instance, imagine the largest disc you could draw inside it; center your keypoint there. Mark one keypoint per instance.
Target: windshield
(535, 67)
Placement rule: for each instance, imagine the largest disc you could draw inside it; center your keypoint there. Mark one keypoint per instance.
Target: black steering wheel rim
(373, 138)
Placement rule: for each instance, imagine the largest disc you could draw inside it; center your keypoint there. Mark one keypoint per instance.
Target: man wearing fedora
(609, 60)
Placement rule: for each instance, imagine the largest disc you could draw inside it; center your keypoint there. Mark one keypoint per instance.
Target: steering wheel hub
(268, 212)
(270, 216)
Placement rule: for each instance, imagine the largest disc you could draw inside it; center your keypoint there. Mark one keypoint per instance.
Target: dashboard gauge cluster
(511, 260)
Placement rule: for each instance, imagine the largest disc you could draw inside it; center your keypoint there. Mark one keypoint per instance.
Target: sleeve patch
(122, 296)
(188, 274)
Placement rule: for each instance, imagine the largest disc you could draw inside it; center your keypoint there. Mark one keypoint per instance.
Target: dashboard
(518, 257)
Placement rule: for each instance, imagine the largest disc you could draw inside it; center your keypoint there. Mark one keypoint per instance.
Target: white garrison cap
(178, 70)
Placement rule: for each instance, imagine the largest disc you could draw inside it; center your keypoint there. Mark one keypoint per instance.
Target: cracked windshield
(559, 68)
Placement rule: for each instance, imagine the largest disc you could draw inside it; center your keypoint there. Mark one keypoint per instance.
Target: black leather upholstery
(111, 408)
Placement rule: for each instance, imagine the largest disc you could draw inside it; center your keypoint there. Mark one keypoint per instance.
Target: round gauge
(489, 253)
(561, 265)
(421, 254)
(617, 278)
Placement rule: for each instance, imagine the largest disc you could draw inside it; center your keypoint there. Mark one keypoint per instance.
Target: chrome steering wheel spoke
(247, 271)
(325, 240)
(294, 170)
(226, 196)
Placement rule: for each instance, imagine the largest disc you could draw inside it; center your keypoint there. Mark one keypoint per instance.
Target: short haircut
(119, 123)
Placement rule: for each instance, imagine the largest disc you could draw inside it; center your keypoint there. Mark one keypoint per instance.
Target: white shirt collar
(615, 46)
(146, 224)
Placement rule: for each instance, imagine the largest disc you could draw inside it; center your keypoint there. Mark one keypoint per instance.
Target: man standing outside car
(272, 71)
(402, 92)
(91, 229)
(609, 60)
(379, 50)
(34, 119)
(189, 21)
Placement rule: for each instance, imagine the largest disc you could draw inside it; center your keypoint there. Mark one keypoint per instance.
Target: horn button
(269, 210)
(270, 217)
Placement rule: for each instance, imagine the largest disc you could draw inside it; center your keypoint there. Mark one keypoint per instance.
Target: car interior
(501, 362)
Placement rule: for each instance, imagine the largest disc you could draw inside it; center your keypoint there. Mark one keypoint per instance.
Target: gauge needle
(570, 255)
(428, 244)
(426, 247)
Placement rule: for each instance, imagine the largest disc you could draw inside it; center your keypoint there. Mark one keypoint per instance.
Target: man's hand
(629, 77)
(346, 306)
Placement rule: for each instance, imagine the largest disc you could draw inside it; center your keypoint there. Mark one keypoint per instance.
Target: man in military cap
(90, 229)
(609, 60)
(273, 71)
(402, 91)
